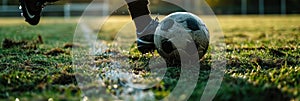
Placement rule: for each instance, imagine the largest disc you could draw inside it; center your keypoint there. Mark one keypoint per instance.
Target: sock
(140, 13)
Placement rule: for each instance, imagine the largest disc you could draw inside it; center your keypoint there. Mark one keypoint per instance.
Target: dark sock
(140, 13)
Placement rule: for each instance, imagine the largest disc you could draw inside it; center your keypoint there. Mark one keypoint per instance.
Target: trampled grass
(262, 54)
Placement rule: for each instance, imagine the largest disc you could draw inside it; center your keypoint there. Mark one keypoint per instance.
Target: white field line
(115, 71)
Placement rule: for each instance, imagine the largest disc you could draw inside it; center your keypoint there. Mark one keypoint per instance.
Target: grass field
(263, 59)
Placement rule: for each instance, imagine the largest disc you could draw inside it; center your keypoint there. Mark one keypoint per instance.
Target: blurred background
(221, 7)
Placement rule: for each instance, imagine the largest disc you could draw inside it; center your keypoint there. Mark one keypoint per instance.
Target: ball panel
(192, 24)
(166, 25)
(168, 46)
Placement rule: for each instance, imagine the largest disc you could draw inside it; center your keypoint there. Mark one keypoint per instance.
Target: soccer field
(262, 54)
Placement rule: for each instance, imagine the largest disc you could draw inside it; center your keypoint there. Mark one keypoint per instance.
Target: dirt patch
(55, 52)
(9, 43)
(64, 79)
(103, 61)
(24, 44)
(277, 52)
(72, 45)
(40, 40)
(268, 63)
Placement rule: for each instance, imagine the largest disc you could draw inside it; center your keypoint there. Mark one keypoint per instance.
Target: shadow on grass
(236, 89)
(231, 89)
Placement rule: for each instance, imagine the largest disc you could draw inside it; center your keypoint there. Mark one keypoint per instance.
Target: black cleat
(32, 10)
(145, 39)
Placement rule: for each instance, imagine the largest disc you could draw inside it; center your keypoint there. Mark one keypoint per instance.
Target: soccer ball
(181, 33)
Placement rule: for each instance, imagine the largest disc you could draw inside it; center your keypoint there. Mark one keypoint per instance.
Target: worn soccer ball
(181, 33)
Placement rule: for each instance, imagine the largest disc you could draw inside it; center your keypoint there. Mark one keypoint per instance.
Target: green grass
(262, 59)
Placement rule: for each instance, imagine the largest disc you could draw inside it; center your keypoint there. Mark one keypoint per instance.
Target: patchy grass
(262, 60)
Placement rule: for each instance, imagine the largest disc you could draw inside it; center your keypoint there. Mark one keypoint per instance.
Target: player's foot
(145, 38)
(32, 10)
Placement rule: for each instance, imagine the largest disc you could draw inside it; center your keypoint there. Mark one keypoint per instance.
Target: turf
(262, 54)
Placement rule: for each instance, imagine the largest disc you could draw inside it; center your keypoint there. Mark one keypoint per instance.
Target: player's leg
(32, 10)
(145, 25)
